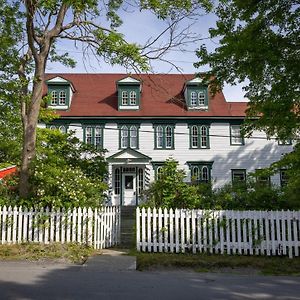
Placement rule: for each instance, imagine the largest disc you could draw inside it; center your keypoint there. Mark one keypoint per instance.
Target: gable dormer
(61, 92)
(129, 93)
(196, 94)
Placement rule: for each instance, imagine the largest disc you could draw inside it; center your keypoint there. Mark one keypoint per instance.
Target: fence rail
(224, 232)
(99, 228)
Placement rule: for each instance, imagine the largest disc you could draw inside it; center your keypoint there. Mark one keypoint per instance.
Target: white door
(129, 188)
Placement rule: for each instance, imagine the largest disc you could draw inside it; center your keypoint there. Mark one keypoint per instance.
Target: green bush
(65, 173)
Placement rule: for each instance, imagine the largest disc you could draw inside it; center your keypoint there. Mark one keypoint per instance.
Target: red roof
(7, 171)
(162, 96)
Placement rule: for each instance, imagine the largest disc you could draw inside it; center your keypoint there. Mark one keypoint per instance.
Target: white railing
(224, 232)
(99, 228)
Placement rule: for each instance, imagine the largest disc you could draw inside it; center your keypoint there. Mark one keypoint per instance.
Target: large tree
(259, 44)
(30, 31)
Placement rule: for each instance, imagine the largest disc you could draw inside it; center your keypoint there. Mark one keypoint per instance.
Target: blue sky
(139, 27)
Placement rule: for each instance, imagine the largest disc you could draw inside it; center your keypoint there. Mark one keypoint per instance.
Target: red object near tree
(6, 171)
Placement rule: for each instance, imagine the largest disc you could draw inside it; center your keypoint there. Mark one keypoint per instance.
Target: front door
(129, 188)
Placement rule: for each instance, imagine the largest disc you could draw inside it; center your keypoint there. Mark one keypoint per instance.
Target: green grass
(70, 252)
(216, 263)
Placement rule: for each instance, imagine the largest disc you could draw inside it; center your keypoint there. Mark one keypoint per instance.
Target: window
(129, 136)
(238, 176)
(62, 98)
(117, 188)
(54, 98)
(124, 98)
(287, 142)
(199, 136)
(197, 97)
(235, 135)
(158, 167)
(164, 137)
(140, 180)
(132, 98)
(263, 180)
(93, 135)
(59, 95)
(129, 93)
(61, 128)
(201, 98)
(200, 171)
(194, 101)
(283, 177)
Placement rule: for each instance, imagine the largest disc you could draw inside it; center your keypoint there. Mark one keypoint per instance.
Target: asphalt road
(39, 281)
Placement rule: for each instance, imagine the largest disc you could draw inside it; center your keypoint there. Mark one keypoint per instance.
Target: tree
(67, 173)
(31, 29)
(170, 191)
(259, 44)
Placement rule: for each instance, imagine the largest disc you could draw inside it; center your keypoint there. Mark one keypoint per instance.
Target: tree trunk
(30, 116)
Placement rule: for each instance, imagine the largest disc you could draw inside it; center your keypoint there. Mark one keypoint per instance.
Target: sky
(139, 27)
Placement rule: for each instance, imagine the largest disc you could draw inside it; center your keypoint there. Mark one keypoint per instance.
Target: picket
(231, 232)
(85, 225)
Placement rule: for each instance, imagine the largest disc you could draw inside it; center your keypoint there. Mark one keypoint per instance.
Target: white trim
(129, 107)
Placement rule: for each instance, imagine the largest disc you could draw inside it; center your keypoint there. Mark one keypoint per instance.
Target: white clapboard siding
(224, 232)
(98, 228)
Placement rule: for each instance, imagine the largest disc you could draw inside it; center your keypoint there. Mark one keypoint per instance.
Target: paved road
(113, 278)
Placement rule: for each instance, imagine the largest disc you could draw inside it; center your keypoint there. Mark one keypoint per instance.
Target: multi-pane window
(236, 137)
(261, 178)
(62, 98)
(197, 98)
(54, 98)
(93, 135)
(132, 98)
(58, 97)
(128, 136)
(283, 177)
(287, 142)
(200, 173)
(199, 136)
(140, 180)
(61, 128)
(164, 137)
(201, 98)
(124, 98)
(117, 187)
(194, 99)
(238, 176)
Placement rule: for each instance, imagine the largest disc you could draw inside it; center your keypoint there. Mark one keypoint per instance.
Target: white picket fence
(99, 228)
(224, 232)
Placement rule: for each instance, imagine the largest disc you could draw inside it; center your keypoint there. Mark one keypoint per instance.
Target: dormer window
(62, 98)
(129, 92)
(54, 98)
(196, 94)
(61, 92)
(132, 98)
(124, 98)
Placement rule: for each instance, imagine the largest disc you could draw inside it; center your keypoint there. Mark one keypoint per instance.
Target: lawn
(70, 252)
(217, 263)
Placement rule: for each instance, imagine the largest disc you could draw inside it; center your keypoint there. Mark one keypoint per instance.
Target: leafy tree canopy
(29, 35)
(259, 44)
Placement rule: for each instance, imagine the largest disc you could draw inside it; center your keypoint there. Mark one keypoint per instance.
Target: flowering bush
(66, 172)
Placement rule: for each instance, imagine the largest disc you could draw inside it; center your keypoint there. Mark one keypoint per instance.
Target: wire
(183, 133)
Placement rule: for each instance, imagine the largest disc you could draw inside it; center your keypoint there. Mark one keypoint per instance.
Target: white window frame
(124, 97)
(235, 135)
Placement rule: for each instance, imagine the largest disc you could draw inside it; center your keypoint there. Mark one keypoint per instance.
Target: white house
(144, 119)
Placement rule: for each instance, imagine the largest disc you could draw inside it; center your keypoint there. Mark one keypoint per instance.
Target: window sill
(58, 107)
(129, 107)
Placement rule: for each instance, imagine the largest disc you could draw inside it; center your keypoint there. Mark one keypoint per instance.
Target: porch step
(127, 226)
